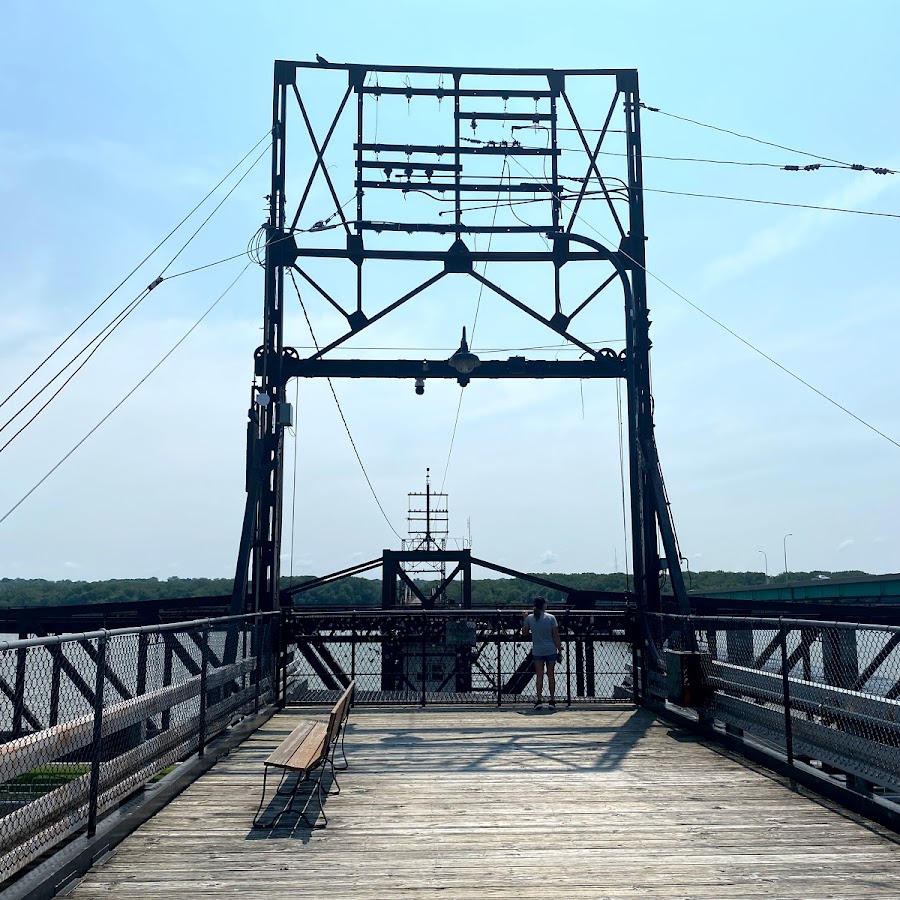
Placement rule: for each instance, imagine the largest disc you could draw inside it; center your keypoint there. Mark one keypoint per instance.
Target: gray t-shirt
(542, 633)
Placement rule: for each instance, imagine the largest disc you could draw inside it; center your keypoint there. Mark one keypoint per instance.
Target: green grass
(42, 780)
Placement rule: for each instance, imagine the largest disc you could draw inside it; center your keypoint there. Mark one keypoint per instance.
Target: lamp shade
(463, 360)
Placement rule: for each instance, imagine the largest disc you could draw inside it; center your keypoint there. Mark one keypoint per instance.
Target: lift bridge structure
(601, 108)
(91, 711)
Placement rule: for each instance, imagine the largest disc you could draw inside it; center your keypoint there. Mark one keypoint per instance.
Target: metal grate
(450, 657)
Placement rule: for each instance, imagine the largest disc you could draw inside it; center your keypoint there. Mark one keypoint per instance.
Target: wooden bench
(311, 746)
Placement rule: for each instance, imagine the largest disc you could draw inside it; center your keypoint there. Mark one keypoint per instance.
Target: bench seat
(311, 746)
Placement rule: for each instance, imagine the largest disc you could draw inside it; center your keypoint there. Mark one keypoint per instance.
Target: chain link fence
(454, 656)
(88, 719)
(823, 693)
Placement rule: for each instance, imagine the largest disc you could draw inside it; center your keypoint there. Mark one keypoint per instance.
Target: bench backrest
(339, 713)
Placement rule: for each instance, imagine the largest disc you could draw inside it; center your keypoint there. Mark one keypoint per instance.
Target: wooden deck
(483, 803)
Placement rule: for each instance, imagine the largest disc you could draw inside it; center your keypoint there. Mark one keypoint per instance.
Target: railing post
(786, 690)
(635, 666)
(353, 646)
(19, 691)
(256, 652)
(424, 630)
(204, 666)
(280, 673)
(141, 683)
(243, 626)
(168, 639)
(499, 668)
(97, 745)
(568, 659)
(56, 651)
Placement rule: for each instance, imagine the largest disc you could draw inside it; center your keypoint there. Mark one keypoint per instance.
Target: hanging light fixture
(464, 361)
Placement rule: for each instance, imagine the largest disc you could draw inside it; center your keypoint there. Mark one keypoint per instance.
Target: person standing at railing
(546, 648)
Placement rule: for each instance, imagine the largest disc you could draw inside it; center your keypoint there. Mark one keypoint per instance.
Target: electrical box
(284, 415)
(686, 685)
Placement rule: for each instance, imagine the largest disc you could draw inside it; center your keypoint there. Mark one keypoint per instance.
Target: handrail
(778, 622)
(80, 636)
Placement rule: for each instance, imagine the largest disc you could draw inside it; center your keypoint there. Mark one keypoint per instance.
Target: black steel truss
(443, 168)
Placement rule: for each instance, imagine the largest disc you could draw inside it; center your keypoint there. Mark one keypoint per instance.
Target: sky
(119, 118)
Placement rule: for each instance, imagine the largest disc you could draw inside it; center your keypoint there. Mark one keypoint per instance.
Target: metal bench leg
(288, 807)
(262, 799)
(285, 773)
(346, 764)
(334, 774)
(307, 822)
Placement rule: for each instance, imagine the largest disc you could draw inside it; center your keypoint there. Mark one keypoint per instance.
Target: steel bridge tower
(469, 154)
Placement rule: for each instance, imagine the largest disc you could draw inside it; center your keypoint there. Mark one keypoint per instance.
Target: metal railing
(418, 656)
(86, 719)
(826, 694)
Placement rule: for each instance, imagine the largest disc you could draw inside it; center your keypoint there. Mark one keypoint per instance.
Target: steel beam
(612, 366)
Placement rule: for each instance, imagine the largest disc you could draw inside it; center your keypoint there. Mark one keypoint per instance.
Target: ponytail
(539, 604)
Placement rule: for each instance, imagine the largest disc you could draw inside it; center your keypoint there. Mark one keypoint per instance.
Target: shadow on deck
(598, 802)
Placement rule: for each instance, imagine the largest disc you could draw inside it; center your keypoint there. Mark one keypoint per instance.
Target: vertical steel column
(645, 549)
(266, 555)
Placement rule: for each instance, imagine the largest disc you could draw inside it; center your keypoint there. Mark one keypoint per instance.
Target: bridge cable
(107, 331)
(878, 170)
(181, 340)
(47, 358)
(733, 333)
(598, 195)
(341, 411)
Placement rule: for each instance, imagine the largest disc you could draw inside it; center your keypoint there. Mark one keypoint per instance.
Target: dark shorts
(550, 658)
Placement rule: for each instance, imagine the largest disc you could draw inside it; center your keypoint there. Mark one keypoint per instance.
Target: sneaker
(538, 706)
(553, 703)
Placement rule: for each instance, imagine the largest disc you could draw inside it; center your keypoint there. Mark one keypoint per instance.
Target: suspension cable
(106, 332)
(341, 412)
(47, 358)
(180, 341)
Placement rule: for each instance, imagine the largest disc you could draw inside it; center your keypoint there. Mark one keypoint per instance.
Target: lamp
(463, 360)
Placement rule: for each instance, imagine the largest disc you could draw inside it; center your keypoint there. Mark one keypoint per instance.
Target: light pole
(766, 559)
(784, 547)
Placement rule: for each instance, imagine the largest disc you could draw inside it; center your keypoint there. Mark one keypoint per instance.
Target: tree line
(363, 592)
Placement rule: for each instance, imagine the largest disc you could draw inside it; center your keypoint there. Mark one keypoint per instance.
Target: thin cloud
(843, 545)
(793, 231)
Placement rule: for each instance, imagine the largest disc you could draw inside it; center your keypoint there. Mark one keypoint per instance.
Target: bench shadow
(291, 826)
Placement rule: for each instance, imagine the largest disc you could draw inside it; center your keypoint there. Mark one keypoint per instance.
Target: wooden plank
(602, 802)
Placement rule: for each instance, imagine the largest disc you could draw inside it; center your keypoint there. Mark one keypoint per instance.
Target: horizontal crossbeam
(611, 366)
(503, 187)
(441, 92)
(467, 150)
(503, 116)
(447, 70)
(402, 165)
(451, 228)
